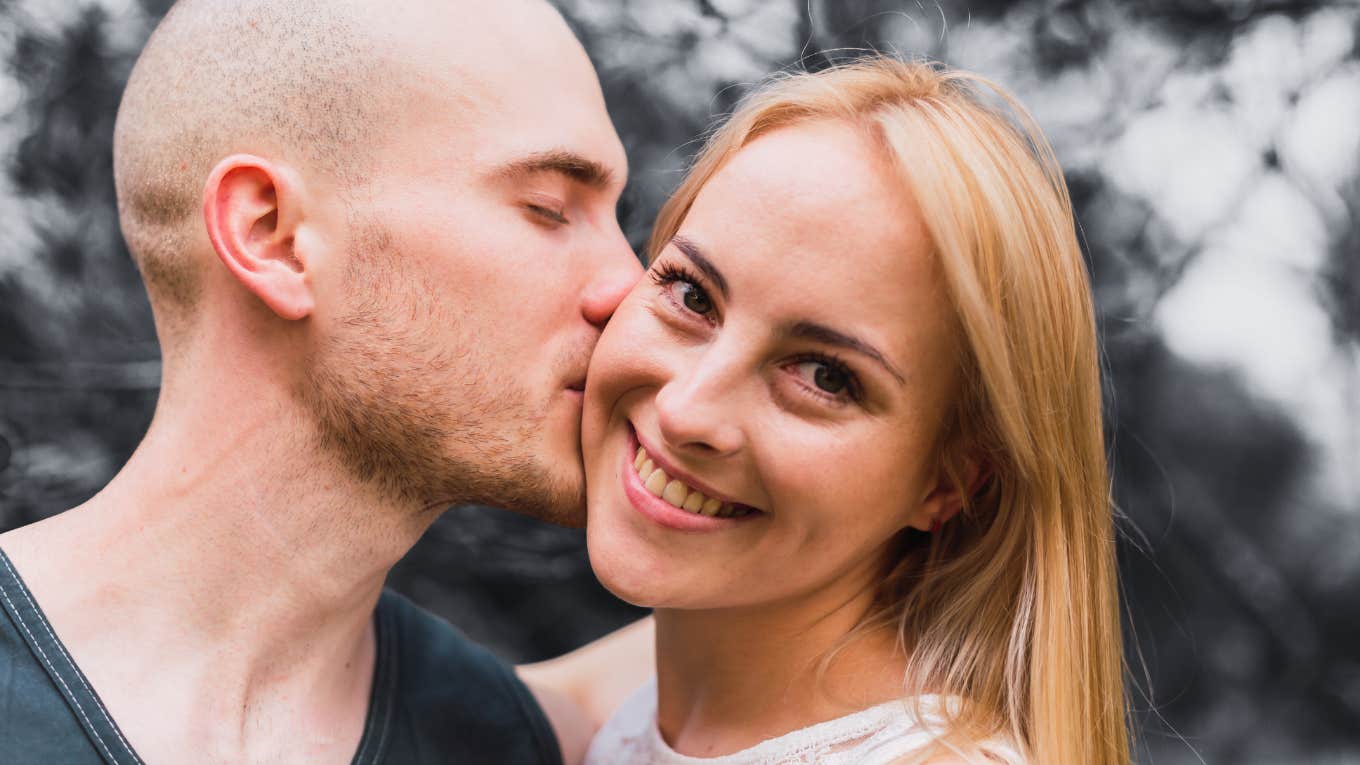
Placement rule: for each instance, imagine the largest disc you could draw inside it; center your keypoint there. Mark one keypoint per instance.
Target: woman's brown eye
(829, 379)
(695, 299)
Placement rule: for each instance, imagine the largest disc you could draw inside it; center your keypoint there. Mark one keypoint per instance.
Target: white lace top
(875, 736)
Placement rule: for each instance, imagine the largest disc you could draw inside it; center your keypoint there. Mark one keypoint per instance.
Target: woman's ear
(953, 485)
(252, 208)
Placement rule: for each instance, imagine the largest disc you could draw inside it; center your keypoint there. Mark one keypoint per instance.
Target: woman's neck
(728, 679)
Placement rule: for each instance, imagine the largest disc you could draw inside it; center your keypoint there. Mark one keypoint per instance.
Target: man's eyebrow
(585, 171)
(701, 262)
(824, 334)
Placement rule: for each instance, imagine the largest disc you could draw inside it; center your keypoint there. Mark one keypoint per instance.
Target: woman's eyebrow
(696, 256)
(823, 334)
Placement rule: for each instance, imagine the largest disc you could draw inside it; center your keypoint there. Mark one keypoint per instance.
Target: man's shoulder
(436, 658)
(42, 704)
(453, 695)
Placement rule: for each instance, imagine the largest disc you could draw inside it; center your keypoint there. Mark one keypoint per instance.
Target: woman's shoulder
(627, 735)
(980, 757)
(997, 750)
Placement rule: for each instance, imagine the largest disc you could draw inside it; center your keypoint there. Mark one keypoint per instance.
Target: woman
(845, 439)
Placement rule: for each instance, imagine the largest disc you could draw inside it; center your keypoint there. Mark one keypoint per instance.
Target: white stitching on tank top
(43, 655)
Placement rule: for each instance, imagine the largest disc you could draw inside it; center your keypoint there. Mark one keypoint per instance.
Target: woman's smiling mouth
(673, 502)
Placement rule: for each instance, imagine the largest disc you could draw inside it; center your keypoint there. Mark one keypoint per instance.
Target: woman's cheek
(648, 348)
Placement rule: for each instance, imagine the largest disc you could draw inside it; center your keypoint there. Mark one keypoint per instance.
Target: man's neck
(229, 570)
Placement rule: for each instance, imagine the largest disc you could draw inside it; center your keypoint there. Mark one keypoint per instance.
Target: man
(379, 242)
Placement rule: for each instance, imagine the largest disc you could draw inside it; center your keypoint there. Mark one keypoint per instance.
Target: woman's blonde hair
(1012, 606)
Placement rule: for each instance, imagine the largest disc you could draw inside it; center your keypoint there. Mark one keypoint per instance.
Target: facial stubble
(428, 426)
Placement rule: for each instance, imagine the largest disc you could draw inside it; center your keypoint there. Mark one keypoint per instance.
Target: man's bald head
(430, 184)
(311, 83)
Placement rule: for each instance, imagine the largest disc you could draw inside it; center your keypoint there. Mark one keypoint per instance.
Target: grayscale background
(1214, 156)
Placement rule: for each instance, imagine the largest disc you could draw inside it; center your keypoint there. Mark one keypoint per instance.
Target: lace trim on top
(874, 736)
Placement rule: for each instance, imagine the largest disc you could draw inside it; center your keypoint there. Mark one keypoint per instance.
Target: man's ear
(252, 208)
(946, 497)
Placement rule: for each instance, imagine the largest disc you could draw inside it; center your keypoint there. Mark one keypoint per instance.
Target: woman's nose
(697, 413)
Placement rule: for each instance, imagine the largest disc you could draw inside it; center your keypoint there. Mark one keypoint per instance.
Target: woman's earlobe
(951, 494)
(252, 208)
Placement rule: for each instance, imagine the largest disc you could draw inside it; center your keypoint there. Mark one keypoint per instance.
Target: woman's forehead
(822, 184)
(816, 199)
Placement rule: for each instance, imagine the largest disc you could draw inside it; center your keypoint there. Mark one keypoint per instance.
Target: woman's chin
(623, 572)
(627, 588)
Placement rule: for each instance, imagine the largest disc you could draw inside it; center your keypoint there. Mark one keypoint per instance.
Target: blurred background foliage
(1214, 157)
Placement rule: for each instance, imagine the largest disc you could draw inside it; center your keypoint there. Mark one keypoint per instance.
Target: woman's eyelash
(670, 273)
(695, 299)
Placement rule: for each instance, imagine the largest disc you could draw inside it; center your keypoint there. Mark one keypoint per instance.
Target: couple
(844, 434)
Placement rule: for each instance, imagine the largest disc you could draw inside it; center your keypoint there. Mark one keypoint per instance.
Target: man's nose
(616, 271)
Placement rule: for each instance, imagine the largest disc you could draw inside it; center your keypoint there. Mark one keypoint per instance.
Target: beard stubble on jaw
(426, 426)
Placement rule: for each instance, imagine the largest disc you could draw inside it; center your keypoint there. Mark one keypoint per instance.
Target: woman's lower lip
(662, 512)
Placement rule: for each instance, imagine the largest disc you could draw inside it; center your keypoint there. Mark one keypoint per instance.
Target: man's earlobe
(252, 208)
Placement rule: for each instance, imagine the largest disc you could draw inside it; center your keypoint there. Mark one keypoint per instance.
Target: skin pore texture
(792, 350)
(376, 296)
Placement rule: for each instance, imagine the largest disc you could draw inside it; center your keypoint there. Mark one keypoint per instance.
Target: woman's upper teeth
(677, 492)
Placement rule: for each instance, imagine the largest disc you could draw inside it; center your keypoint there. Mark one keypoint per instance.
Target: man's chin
(559, 515)
(560, 482)
(552, 495)
(567, 505)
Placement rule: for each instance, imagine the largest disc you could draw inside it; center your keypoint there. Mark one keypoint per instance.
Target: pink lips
(663, 512)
